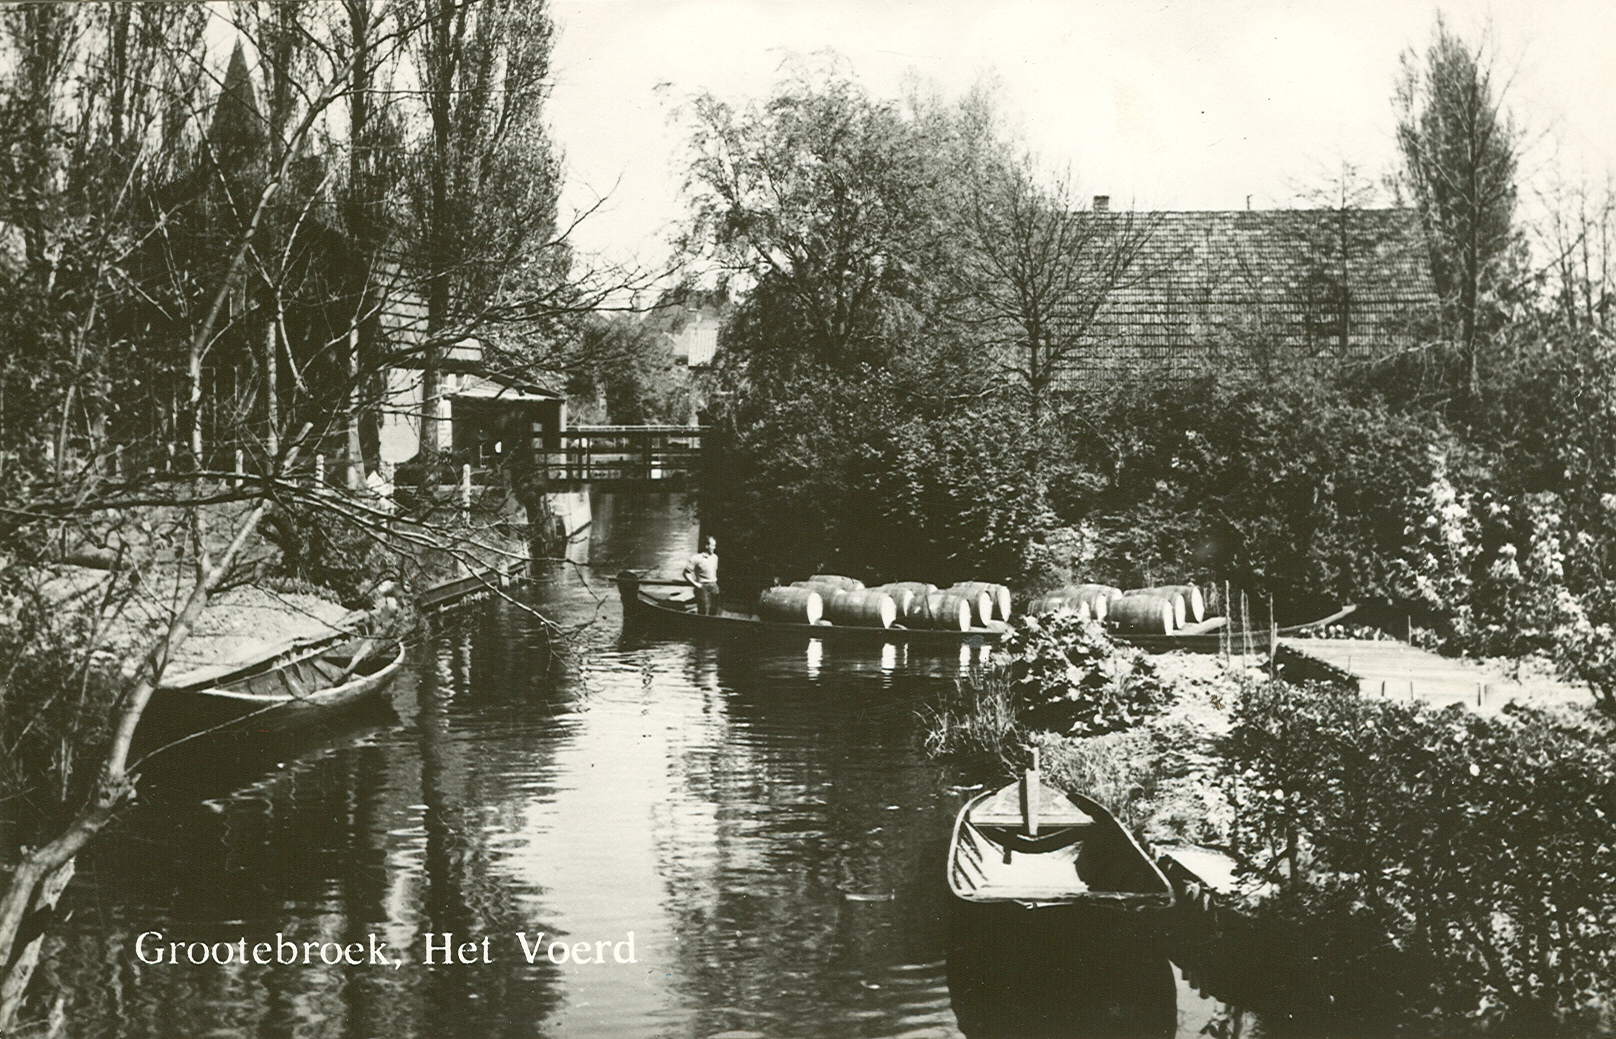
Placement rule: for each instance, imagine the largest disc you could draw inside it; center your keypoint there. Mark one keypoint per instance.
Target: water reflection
(1058, 972)
(754, 813)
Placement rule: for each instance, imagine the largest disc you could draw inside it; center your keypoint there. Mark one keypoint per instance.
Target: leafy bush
(1053, 674)
(821, 471)
(1069, 677)
(1117, 769)
(1451, 870)
(1292, 488)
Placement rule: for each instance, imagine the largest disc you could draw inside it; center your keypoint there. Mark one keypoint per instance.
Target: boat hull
(276, 696)
(1081, 857)
(1066, 971)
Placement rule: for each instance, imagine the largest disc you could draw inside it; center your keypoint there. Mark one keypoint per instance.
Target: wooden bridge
(1398, 670)
(624, 456)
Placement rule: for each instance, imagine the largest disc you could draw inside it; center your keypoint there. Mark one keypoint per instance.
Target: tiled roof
(1210, 286)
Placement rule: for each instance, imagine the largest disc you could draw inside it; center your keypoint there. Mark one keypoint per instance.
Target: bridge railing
(626, 453)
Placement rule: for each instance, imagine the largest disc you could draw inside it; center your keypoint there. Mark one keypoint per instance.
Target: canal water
(611, 833)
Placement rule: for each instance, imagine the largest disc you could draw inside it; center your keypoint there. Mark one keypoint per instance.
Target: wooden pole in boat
(1030, 796)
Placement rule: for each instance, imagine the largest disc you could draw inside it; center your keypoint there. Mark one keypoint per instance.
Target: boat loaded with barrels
(976, 612)
(827, 606)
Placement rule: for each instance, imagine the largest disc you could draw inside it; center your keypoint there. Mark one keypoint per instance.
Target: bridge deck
(626, 455)
(1396, 669)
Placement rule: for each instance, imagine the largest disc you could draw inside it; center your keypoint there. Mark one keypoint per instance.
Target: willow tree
(1040, 266)
(823, 202)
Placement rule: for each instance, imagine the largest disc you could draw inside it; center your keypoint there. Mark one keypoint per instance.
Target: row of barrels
(1161, 610)
(828, 598)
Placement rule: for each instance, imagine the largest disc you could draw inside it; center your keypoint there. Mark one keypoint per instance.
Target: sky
(1212, 104)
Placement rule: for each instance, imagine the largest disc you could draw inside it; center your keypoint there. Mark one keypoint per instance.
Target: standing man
(702, 572)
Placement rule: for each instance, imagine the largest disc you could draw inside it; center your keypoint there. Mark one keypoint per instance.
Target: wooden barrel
(1091, 598)
(1049, 602)
(863, 607)
(916, 613)
(903, 594)
(981, 605)
(1056, 601)
(998, 594)
(831, 581)
(1176, 598)
(1143, 615)
(1194, 601)
(1098, 596)
(791, 605)
(949, 611)
(912, 587)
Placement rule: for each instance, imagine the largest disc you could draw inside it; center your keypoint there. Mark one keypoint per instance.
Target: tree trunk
(29, 890)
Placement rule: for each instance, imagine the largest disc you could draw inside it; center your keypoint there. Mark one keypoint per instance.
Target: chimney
(1102, 203)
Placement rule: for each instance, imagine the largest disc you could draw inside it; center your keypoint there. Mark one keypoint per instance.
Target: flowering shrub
(1441, 543)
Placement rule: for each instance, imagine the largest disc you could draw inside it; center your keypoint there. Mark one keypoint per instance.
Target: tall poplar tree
(485, 178)
(1460, 150)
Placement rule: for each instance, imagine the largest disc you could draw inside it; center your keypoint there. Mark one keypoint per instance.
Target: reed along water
(615, 834)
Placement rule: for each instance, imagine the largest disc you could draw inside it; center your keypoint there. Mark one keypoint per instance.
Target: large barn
(1256, 289)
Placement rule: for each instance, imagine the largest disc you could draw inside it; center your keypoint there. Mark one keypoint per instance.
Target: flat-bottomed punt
(1030, 844)
(290, 689)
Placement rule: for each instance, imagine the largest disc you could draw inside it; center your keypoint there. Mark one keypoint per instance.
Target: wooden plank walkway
(480, 582)
(1395, 669)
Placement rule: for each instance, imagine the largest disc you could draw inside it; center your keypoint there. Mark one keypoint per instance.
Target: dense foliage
(1292, 488)
(885, 407)
(1053, 674)
(1457, 872)
(1070, 677)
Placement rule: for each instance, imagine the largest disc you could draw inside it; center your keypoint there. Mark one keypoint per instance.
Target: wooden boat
(300, 685)
(671, 603)
(1030, 844)
(480, 582)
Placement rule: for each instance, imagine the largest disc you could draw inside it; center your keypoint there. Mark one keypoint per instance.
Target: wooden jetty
(1396, 669)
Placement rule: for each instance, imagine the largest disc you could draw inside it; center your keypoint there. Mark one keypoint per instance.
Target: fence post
(240, 459)
(319, 472)
(465, 493)
(386, 472)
